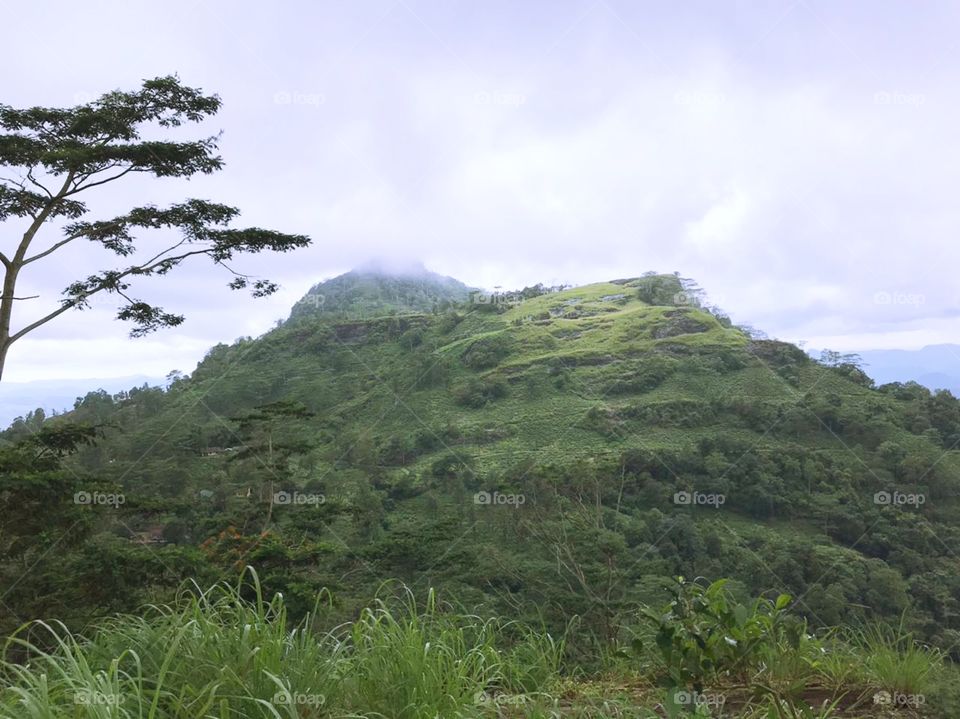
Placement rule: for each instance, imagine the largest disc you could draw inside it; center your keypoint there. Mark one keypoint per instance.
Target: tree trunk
(6, 312)
(4, 346)
(13, 265)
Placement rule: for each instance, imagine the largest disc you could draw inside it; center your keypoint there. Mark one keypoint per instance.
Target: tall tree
(51, 156)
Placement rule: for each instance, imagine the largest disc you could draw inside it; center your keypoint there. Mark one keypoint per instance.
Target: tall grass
(215, 654)
(413, 664)
(894, 661)
(230, 653)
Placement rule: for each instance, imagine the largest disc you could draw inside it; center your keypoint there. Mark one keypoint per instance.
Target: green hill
(543, 454)
(376, 289)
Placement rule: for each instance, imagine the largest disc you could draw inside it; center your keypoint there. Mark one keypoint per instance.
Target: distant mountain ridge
(58, 395)
(934, 366)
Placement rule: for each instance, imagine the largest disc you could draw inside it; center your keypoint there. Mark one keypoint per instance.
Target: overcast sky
(799, 159)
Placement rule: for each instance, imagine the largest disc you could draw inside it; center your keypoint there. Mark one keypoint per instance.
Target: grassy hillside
(542, 456)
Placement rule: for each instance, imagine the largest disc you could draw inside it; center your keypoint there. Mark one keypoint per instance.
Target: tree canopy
(49, 157)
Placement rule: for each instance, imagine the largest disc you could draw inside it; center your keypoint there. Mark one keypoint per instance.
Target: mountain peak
(382, 287)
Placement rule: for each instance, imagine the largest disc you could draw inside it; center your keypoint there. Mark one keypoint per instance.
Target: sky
(797, 158)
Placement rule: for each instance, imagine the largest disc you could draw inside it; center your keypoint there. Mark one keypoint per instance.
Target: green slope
(587, 411)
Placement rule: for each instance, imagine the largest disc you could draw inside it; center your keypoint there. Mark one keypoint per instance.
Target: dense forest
(526, 471)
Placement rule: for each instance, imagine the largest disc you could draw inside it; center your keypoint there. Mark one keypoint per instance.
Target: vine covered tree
(51, 157)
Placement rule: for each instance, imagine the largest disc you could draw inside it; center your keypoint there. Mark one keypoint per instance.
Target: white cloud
(561, 142)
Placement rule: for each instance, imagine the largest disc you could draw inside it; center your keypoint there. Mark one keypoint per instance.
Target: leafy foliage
(705, 635)
(61, 153)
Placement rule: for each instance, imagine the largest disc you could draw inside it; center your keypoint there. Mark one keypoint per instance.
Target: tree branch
(17, 183)
(53, 248)
(40, 322)
(37, 184)
(160, 254)
(39, 220)
(81, 187)
(135, 270)
(232, 271)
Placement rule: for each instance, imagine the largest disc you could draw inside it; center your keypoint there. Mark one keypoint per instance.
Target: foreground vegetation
(230, 651)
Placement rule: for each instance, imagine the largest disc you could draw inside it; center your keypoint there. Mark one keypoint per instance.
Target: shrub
(476, 393)
(449, 321)
(703, 634)
(411, 338)
(450, 465)
(676, 413)
(486, 352)
(644, 376)
(660, 289)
